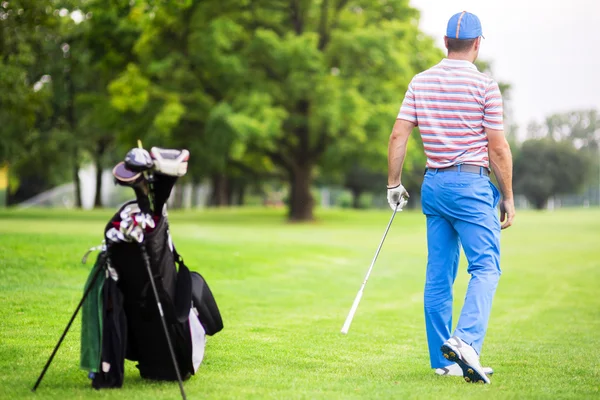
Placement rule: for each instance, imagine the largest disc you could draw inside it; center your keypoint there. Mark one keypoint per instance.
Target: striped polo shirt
(452, 103)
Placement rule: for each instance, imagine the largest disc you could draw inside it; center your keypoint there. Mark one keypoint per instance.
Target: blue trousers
(461, 210)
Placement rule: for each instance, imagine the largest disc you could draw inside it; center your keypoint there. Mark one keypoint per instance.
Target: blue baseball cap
(464, 25)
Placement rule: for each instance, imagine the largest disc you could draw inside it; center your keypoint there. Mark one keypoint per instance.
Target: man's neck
(461, 56)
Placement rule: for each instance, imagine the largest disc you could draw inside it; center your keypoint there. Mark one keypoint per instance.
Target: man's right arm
(501, 163)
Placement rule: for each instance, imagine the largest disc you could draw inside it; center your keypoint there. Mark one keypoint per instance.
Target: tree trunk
(218, 196)
(231, 188)
(7, 194)
(195, 194)
(76, 181)
(241, 193)
(73, 127)
(539, 203)
(178, 197)
(301, 201)
(355, 198)
(98, 196)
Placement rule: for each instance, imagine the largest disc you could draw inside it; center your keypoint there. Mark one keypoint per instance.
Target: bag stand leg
(87, 292)
(162, 317)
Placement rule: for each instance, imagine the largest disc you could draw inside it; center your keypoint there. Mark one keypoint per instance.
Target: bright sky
(549, 51)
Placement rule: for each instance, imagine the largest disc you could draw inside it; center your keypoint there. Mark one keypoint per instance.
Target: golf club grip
(353, 309)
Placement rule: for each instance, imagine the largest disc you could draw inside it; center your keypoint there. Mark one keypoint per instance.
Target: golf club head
(138, 160)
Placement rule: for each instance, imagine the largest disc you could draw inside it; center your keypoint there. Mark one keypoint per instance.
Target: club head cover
(124, 176)
(171, 162)
(138, 160)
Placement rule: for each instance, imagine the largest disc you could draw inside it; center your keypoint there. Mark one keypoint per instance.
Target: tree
(65, 78)
(582, 129)
(24, 25)
(34, 96)
(535, 131)
(187, 88)
(338, 69)
(102, 50)
(56, 106)
(545, 168)
(577, 125)
(291, 80)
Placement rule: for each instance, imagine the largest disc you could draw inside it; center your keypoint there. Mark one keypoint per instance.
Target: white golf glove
(397, 195)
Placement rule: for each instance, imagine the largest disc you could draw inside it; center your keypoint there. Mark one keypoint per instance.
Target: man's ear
(446, 41)
(477, 44)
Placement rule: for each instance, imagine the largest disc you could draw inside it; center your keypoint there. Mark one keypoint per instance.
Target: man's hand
(507, 213)
(397, 195)
(501, 163)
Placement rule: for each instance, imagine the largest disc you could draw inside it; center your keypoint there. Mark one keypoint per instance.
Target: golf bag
(121, 317)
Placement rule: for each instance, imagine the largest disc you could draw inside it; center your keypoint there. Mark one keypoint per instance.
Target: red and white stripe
(452, 103)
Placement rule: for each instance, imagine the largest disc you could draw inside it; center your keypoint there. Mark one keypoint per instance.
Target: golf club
(137, 181)
(350, 316)
(162, 316)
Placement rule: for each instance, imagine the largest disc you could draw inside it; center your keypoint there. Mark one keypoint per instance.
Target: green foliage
(582, 128)
(169, 116)
(365, 200)
(340, 72)
(261, 88)
(545, 168)
(28, 30)
(129, 90)
(344, 200)
(578, 126)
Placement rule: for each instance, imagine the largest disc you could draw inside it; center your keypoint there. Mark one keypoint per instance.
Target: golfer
(459, 114)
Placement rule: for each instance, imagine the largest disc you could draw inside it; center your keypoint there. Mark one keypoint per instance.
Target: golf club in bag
(141, 302)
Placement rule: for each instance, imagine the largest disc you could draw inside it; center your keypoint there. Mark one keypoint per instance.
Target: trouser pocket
(496, 194)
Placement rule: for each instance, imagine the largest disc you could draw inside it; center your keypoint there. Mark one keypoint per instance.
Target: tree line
(302, 92)
(295, 90)
(559, 156)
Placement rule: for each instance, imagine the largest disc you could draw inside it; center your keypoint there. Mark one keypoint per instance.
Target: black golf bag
(121, 318)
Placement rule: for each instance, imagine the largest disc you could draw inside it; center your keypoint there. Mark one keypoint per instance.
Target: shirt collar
(446, 62)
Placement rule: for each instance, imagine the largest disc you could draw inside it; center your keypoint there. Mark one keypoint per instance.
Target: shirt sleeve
(408, 110)
(493, 115)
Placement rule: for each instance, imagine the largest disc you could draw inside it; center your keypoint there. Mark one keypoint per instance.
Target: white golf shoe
(454, 349)
(455, 370)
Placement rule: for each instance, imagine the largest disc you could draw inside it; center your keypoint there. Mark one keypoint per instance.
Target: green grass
(284, 291)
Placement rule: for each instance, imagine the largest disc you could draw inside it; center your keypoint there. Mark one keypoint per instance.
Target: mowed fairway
(284, 291)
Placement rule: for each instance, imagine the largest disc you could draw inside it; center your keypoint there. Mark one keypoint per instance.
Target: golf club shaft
(354, 307)
(87, 292)
(143, 200)
(162, 317)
